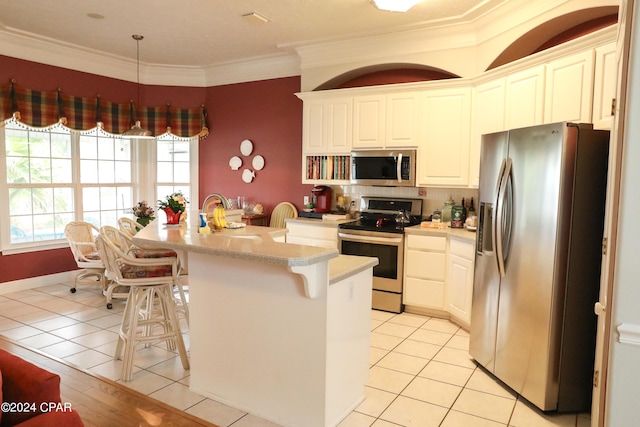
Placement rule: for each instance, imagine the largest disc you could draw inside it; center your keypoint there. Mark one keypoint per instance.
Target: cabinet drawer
(424, 293)
(313, 231)
(434, 243)
(461, 249)
(425, 265)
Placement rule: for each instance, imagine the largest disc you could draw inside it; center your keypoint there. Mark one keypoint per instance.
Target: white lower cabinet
(425, 271)
(310, 234)
(438, 276)
(460, 280)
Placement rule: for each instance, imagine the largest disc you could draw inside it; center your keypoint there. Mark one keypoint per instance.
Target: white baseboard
(37, 282)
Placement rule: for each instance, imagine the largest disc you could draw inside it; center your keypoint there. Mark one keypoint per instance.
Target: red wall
(265, 112)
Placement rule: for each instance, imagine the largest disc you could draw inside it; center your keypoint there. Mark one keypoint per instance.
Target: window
(174, 172)
(39, 178)
(55, 175)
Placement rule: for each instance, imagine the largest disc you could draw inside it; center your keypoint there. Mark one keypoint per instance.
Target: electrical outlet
(306, 200)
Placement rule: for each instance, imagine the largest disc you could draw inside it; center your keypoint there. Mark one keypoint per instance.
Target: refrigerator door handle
(504, 200)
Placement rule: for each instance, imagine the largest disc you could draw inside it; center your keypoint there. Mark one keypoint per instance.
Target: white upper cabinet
(327, 125)
(403, 119)
(524, 96)
(369, 121)
(604, 85)
(443, 155)
(569, 89)
(488, 116)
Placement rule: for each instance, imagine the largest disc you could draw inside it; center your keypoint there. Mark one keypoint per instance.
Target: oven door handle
(370, 239)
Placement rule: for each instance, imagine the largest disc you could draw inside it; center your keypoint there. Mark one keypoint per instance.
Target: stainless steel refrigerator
(537, 265)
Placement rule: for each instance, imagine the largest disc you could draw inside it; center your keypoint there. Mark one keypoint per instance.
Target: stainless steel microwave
(390, 168)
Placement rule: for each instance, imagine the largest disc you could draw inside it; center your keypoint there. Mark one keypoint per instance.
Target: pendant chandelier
(137, 131)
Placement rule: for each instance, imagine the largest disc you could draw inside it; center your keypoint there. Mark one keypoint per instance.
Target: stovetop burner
(379, 214)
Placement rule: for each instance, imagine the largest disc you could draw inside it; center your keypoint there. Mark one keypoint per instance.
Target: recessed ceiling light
(395, 5)
(256, 18)
(95, 15)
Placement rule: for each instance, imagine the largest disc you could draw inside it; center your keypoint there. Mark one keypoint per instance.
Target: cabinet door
(424, 293)
(426, 265)
(460, 287)
(403, 119)
(569, 89)
(604, 86)
(339, 125)
(314, 139)
(488, 116)
(369, 121)
(524, 96)
(443, 154)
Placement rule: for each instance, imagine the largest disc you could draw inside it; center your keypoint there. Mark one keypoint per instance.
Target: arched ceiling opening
(382, 74)
(557, 31)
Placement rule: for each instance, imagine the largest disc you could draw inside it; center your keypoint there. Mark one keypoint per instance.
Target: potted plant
(174, 205)
(143, 213)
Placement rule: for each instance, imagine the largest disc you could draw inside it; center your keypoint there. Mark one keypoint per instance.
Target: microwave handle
(399, 167)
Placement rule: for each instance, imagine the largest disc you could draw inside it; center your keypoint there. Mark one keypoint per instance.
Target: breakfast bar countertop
(254, 243)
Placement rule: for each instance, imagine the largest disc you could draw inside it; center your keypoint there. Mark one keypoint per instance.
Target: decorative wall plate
(258, 162)
(248, 175)
(235, 162)
(246, 147)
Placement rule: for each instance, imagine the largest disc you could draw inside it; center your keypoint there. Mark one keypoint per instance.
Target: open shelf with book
(326, 169)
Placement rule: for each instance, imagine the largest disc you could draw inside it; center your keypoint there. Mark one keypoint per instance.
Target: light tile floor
(421, 373)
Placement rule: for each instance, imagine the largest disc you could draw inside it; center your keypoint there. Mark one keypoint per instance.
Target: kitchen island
(276, 329)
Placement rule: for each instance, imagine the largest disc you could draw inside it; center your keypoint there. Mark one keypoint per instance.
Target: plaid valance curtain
(45, 108)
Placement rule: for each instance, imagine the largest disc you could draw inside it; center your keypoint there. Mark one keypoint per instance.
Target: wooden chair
(282, 211)
(81, 237)
(150, 313)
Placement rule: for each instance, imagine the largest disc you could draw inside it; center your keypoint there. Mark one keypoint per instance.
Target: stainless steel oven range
(380, 233)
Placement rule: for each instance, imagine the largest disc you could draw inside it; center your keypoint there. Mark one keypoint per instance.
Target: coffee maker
(322, 195)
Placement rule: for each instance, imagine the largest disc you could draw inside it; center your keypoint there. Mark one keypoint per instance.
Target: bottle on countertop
(457, 216)
(446, 210)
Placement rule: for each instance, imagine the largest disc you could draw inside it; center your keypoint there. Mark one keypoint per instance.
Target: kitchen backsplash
(434, 198)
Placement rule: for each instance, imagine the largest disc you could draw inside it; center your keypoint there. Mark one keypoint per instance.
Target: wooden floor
(102, 402)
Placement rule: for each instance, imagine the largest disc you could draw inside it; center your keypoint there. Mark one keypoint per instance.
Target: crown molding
(253, 69)
(51, 52)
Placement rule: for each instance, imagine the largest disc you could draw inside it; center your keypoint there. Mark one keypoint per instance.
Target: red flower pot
(172, 217)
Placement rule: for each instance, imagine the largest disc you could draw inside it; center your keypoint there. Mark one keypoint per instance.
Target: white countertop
(318, 221)
(254, 243)
(456, 233)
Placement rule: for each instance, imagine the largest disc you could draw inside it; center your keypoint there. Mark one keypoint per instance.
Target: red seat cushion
(141, 272)
(93, 256)
(154, 253)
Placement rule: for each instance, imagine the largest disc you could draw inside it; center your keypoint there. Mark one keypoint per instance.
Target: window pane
(181, 172)
(88, 147)
(43, 227)
(40, 170)
(105, 148)
(164, 148)
(123, 149)
(181, 151)
(105, 172)
(60, 146)
(17, 170)
(19, 201)
(63, 200)
(165, 172)
(39, 144)
(21, 229)
(123, 172)
(89, 171)
(42, 200)
(91, 199)
(62, 171)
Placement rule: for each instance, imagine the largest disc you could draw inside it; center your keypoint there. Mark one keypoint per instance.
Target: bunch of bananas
(219, 220)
